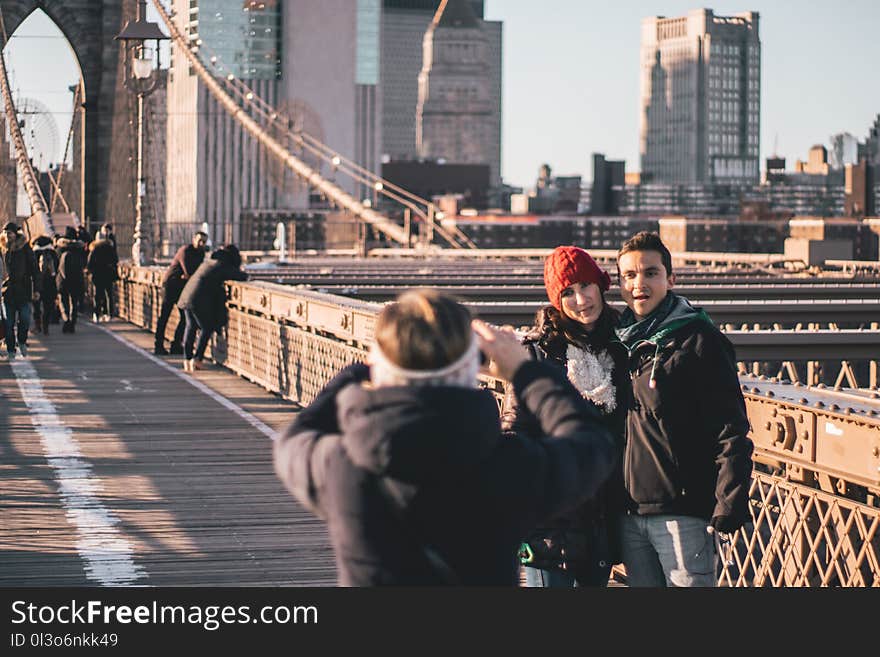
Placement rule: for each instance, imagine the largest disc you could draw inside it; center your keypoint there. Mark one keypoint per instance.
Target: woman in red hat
(576, 332)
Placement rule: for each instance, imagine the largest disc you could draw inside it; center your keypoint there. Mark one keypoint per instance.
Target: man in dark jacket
(687, 460)
(102, 264)
(182, 267)
(19, 272)
(416, 481)
(71, 277)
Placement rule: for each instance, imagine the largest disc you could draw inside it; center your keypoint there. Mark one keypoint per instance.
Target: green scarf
(672, 313)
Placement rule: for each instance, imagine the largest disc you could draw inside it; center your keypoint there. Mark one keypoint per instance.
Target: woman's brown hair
(423, 329)
(554, 329)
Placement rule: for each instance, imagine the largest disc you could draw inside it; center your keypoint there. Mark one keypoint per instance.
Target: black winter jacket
(19, 270)
(102, 261)
(47, 268)
(71, 267)
(687, 447)
(584, 540)
(393, 470)
(205, 293)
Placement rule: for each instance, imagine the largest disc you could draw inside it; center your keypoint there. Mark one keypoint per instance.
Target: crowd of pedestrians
(44, 281)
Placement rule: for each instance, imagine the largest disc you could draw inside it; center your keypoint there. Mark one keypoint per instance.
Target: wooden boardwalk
(116, 470)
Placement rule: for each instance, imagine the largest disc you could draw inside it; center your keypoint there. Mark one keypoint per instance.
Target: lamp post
(141, 76)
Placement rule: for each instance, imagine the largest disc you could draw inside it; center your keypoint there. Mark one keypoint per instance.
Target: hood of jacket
(18, 242)
(417, 434)
(101, 242)
(65, 244)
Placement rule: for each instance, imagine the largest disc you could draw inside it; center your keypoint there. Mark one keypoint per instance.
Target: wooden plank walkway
(115, 470)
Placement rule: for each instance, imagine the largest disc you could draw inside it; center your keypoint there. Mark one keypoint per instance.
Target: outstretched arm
(302, 449)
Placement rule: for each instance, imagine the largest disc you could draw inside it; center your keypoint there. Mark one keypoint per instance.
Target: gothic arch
(90, 27)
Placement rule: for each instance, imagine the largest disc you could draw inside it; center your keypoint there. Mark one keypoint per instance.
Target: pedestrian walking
(19, 272)
(575, 334)
(184, 264)
(71, 278)
(203, 299)
(688, 460)
(406, 462)
(46, 285)
(103, 264)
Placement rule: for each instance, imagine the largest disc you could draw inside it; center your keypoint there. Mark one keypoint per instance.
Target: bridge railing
(815, 493)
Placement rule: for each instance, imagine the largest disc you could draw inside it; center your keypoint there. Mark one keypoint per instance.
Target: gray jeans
(668, 550)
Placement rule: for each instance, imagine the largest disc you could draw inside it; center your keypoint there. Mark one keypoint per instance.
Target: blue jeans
(189, 336)
(23, 314)
(667, 550)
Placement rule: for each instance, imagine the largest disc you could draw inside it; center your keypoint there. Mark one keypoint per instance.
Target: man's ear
(671, 280)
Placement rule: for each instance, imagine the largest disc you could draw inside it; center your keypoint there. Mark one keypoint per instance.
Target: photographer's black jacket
(393, 470)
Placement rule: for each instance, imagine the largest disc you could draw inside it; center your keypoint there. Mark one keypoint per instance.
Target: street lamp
(141, 66)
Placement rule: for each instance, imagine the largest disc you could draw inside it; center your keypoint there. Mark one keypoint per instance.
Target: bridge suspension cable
(57, 194)
(276, 120)
(39, 209)
(239, 100)
(330, 190)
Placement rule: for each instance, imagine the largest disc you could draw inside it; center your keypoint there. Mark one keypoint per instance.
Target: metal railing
(815, 493)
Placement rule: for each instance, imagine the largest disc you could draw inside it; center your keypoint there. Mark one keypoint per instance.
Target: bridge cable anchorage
(39, 209)
(238, 103)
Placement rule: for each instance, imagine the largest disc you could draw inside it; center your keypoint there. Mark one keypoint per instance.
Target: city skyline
(588, 70)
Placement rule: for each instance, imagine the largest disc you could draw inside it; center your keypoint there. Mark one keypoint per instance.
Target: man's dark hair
(108, 228)
(648, 241)
(202, 233)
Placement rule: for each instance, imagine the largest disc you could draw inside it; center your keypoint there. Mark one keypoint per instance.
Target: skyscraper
(317, 63)
(700, 98)
(404, 23)
(214, 167)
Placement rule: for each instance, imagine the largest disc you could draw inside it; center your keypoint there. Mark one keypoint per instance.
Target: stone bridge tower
(90, 27)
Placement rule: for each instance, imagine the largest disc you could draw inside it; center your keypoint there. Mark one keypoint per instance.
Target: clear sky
(571, 76)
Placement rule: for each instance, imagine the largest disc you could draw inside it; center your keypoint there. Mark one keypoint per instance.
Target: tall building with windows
(701, 98)
(331, 76)
(214, 167)
(317, 63)
(404, 24)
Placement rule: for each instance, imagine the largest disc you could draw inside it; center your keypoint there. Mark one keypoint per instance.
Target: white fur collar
(591, 375)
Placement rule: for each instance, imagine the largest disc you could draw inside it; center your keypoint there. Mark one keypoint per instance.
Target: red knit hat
(568, 265)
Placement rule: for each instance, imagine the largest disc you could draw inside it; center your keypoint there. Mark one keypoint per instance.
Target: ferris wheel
(40, 132)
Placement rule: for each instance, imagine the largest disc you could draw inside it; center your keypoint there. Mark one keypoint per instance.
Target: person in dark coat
(102, 264)
(687, 462)
(83, 235)
(576, 334)
(71, 278)
(106, 232)
(203, 299)
(47, 269)
(406, 462)
(19, 272)
(184, 264)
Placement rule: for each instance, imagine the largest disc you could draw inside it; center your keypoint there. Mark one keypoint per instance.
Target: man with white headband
(406, 461)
